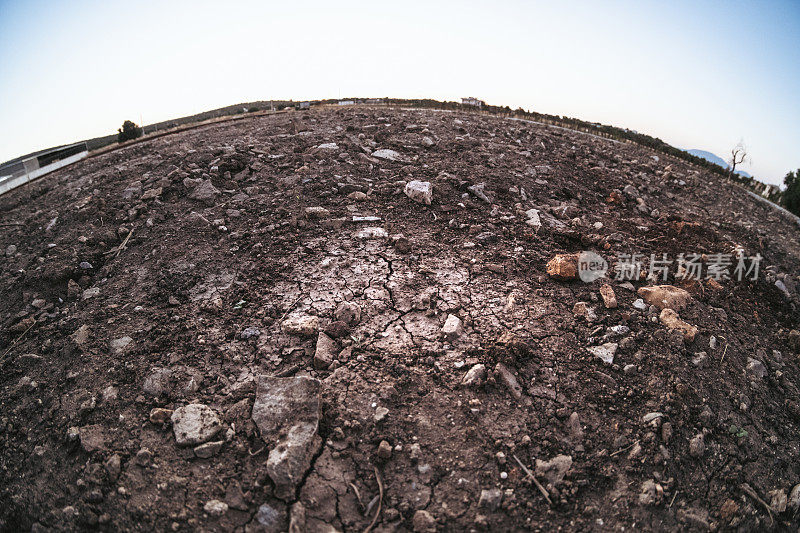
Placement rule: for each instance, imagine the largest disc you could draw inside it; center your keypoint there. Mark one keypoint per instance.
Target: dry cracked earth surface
(351, 320)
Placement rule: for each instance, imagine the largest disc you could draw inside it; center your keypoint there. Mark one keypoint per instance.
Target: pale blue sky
(696, 74)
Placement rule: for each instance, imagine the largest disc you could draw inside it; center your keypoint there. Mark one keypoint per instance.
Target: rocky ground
(359, 319)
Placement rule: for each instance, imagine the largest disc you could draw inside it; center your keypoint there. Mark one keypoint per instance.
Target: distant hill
(717, 160)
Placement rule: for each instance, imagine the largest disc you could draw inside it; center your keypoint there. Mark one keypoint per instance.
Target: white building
(473, 102)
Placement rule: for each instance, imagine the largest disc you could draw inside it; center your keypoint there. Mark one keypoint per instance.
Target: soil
(175, 271)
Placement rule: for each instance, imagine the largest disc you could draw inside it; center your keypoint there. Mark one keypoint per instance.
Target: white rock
(302, 325)
(119, 345)
(287, 413)
(317, 212)
(555, 469)
(533, 219)
(194, 424)
(372, 233)
(420, 191)
(475, 376)
(604, 352)
(328, 146)
(91, 293)
(453, 328)
(385, 153)
(215, 507)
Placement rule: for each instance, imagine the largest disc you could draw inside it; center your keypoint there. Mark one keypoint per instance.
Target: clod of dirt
(671, 319)
(194, 424)
(563, 266)
(666, 297)
(286, 412)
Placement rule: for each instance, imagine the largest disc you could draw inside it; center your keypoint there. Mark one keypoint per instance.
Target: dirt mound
(343, 318)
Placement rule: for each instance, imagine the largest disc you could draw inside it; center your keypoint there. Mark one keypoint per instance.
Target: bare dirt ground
(200, 332)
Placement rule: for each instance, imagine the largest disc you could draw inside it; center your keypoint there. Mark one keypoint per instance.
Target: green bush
(128, 131)
(791, 196)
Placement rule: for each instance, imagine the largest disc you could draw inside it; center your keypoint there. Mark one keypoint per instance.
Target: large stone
(563, 266)
(420, 191)
(533, 219)
(671, 319)
(666, 297)
(325, 352)
(118, 345)
(697, 446)
(453, 328)
(604, 352)
(490, 499)
(317, 212)
(287, 413)
(157, 382)
(194, 424)
(92, 438)
(507, 378)
(386, 154)
(205, 192)
(555, 469)
(302, 325)
(423, 522)
(475, 376)
(756, 368)
(348, 312)
(609, 298)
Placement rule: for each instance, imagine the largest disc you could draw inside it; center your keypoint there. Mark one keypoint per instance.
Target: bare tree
(738, 155)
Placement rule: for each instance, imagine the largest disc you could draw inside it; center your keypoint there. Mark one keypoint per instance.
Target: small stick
(752, 493)
(253, 454)
(122, 246)
(290, 308)
(358, 496)
(17, 340)
(723, 353)
(673, 498)
(535, 481)
(625, 449)
(380, 501)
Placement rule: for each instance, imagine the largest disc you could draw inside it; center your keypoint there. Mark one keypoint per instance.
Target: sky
(696, 74)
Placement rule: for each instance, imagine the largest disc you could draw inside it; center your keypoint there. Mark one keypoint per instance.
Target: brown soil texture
(187, 270)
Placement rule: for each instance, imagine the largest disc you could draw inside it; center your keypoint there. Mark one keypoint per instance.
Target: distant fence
(21, 172)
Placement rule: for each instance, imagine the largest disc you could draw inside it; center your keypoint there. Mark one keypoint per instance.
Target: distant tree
(791, 196)
(128, 131)
(738, 155)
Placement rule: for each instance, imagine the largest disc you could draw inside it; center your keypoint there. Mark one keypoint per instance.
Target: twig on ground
(358, 496)
(17, 340)
(747, 489)
(122, 246)
(380, 501)
(625, 449)
(254, 453)
(673, 498)
(535, 481)
(290, 308)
